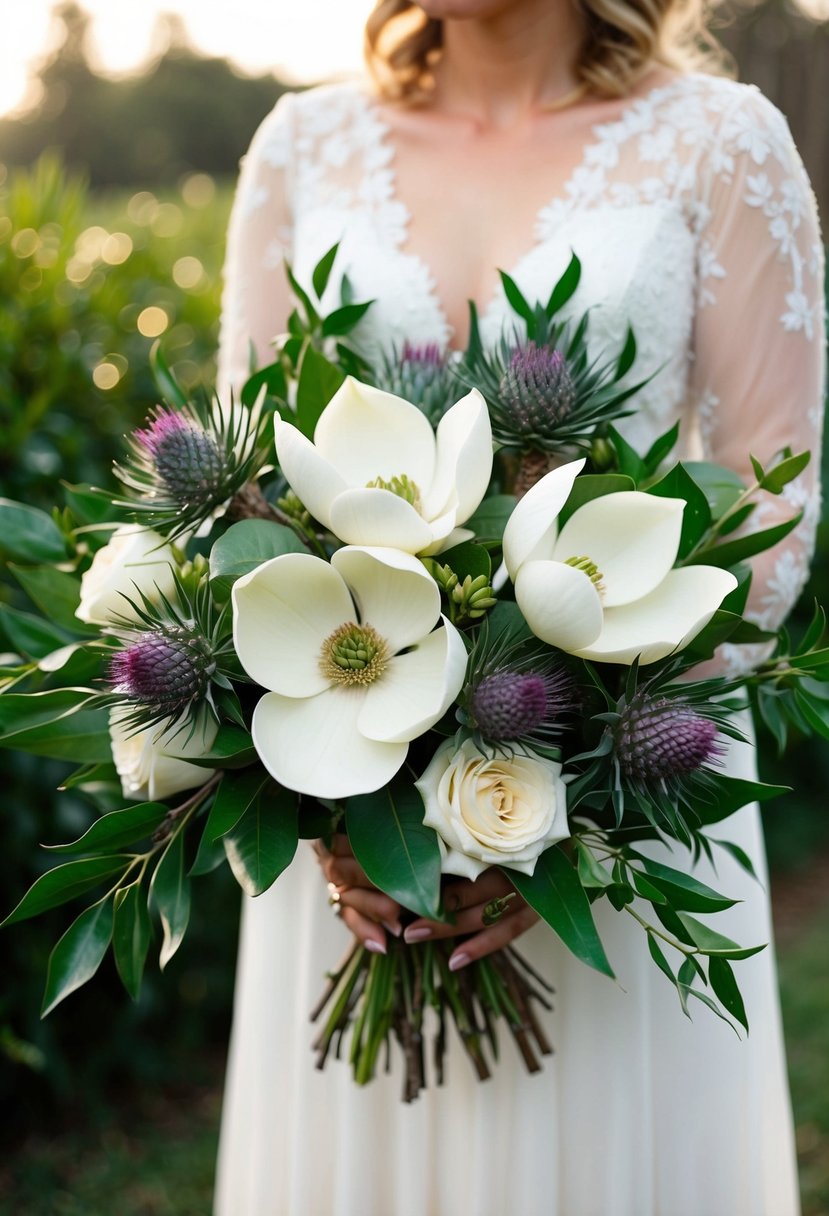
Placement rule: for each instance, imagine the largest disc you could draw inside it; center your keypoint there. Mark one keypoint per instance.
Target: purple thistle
(656, 740)
(166, 668)
(536, 390)
(185, 458)
(420, 374)
(510, 705)
(428, 356)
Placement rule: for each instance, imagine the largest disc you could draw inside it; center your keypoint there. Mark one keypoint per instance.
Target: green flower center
(354, 655)
(589, 568)
(402, 486)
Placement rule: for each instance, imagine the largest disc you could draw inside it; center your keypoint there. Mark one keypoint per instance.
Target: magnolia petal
(664, 621)
(378, 517)
(315, 482)
(560, 604)
(282, 613)
(445, 535)
(416, 689)
(632, 537)
(366, 433)
(392, 591)
(464, 459)
(312, 745)
(531, 529)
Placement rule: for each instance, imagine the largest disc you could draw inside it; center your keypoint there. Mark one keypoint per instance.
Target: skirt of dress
(640, 1112)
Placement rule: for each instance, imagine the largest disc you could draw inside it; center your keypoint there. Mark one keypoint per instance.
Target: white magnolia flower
(135, 560)
(356, 667)
(492, 810)
(377, 474)
(604, 587)
(152, 763)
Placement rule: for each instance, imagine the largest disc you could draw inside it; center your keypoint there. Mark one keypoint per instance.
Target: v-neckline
(566, 197)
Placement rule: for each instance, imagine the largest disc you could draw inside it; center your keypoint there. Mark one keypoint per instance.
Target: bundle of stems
(372, 999)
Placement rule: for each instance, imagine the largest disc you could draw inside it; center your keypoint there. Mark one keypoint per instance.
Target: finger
(345, 873)
(365, 930)
(373, 905)
(465, 894)
(492, 939)
(470, 920)
(340, 846)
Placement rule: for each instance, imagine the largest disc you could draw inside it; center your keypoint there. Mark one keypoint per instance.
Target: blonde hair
(623, 40)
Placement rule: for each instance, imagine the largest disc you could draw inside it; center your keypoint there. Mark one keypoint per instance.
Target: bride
(509, 133)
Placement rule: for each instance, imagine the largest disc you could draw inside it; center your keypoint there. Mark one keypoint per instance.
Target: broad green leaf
(556, 893)
(467, 559)
(516, 299)
(237, 791)
(78, 954)
(590, 486)
(263, 842)
(591, 872)
(731, 794)
(683, 891)
(730, 552)
(117, 829)
(30, 635)
(342, 320)
(696, 518)
(778, 477)
(322, 271)
(660, 448)
(245, 546)
(272, 378)
(721, 486)
(131, 934)
(29, 535)
(711, 942)
(66, 882)
(209, 855)
(318, 381)
(490, 519)
(721, 978)
(564, 288)
(232, 748)
(398, 852)
(88, 504)
(170, 895)
(631, 463)
(55, 724)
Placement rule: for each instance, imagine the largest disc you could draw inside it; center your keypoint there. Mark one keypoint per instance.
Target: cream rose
(135, 558)
(492, 811)
(150, 763)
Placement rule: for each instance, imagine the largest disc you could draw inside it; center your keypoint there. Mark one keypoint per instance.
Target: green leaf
(590, 486)
(627, 358)
(117, 829)
(57, 595)
(343, 320)
(29, 535)
(759, 471)
(237, 791)
(303, 297)
(88, 504)
(711, 942)
(263, 842)
(30, 635)
(166, 382)
(232, 748)
(467, 559)
(66, 882)
(271, 378)
(490, 519)
(209, 855)
(591, 872)
(565, 288)
(696, 518)
(660, 448)
(318, 381)
(683, 891)
(733, 551)
(55, 724)
(732, 793)
(170, 895)
(721, 487)
(721, 978)
(631, 463)
(131, 934)
(556, 893)
(740, 855)
(245, 546)
(398, 852)
(78, 954)
(322, 271)
(659, 958)
(516, 299)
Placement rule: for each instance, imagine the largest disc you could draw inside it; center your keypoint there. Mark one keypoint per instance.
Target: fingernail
(459, 960)
(417, 933)
(394, 929)
(376, 947)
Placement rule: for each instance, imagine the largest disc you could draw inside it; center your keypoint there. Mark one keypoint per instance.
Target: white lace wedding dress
(694, 221)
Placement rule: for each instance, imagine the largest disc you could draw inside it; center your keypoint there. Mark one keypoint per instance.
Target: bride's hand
(366, 911)
(468, 901)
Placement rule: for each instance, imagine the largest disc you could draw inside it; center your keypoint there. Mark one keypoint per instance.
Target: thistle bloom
(507, 705)
(536, 391)
(165, 669)
(659, 739)
(603, 587)
(378, 475)
(420, 374)
(355, 665)
(186, 458)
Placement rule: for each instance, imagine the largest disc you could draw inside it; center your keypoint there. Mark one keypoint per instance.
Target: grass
(155, 1156)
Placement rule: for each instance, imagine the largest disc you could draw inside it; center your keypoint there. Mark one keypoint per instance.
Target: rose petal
(392, 591)
(416, 689)
(378, 517)
(315, 482)
(313, 745)
(559, 603)
(464, 459)
(664, 621)
(531, 529)
(632, 537)
(366, 433)
(282, 613)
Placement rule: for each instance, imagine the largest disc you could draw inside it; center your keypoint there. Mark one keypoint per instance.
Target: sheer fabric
(694, 222)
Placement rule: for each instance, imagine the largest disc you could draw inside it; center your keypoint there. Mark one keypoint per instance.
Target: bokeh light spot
(152, 321)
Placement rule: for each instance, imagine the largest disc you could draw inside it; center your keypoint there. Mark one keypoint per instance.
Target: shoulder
(302, 117)
(740, 123)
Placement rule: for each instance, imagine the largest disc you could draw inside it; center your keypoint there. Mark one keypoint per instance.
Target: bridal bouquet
(438, 605)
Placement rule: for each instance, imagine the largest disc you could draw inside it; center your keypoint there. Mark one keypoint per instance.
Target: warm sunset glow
(301, 41)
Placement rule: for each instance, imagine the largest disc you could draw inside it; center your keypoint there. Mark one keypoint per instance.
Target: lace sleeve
(255, 299)
(758, 375)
